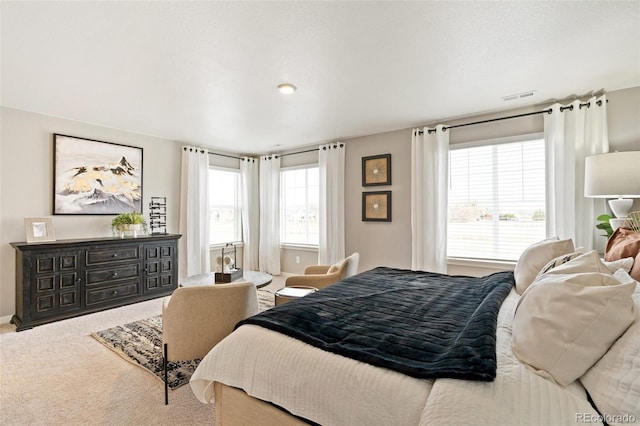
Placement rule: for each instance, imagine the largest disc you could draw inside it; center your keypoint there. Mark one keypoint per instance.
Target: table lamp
(614, 175)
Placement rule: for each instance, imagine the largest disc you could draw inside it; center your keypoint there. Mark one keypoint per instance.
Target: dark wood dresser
(67, 278)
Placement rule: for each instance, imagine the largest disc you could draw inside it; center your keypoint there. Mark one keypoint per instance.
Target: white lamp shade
(612, 175)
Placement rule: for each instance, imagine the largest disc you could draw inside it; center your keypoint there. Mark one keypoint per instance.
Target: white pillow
(625, 263)
(614, 381)
(569, 317)
(535, 257)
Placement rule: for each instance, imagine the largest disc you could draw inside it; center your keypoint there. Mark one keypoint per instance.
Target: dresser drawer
(101, 256)
(97, 277)
(113, 293)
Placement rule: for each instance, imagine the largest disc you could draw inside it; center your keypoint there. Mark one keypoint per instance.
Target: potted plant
(604, 225)
(132, 223)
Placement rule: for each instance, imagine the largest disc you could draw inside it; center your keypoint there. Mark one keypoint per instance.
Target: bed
(261, 375)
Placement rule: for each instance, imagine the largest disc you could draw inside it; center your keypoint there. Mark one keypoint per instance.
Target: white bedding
(333, 390)
(516, 397)
(326, 388)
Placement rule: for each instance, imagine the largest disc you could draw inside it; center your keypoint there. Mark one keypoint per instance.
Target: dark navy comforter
(421, 324)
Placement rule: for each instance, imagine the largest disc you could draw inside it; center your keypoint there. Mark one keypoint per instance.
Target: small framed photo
(376, 206)
(39, 229)
(376, 170)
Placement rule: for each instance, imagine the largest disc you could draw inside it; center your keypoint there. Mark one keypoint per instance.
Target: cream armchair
(195, 319)
(320, 276)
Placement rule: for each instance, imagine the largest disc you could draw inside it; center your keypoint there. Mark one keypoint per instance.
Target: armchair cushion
(312, 280)
(316, 269)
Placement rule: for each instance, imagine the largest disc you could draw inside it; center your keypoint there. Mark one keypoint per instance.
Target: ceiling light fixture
(286, 88)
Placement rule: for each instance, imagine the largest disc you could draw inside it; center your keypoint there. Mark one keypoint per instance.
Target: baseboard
(5, 320)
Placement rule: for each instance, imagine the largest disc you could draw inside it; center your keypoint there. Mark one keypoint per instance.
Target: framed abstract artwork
(376, 170)
(93, 177)
(376, 206)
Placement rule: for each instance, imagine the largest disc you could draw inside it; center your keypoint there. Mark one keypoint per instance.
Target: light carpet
(57, 375)
(140, 342)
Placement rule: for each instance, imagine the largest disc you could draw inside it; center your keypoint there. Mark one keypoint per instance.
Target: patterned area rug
(140, 343)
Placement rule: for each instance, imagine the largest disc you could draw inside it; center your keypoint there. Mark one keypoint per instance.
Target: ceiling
(205, 73)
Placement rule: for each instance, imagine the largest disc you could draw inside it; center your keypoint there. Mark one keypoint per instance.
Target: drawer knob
(115, 255)
(115, 292)
(115, 274)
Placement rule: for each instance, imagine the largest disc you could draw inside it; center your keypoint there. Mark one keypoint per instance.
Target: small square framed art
(376, 170)
(376, 206)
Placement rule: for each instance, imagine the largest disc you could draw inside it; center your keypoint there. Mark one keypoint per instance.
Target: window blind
(496, 205)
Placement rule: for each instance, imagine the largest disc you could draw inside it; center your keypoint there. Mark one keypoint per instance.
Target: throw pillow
(535, 257)
(569, 318)
(584, 262)
(560, 260)
(335, 267)
(625, 243)
(614, 381)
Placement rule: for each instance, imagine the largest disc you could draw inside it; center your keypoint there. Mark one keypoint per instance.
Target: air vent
(518, 96)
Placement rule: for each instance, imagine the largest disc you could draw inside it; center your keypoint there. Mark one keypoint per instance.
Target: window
(225, 223)
(496, 199)
(300, 203)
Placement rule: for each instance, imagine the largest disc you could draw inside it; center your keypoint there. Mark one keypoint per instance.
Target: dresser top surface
(24, 246)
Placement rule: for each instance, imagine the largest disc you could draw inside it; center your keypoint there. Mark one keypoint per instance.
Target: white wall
(26, 183)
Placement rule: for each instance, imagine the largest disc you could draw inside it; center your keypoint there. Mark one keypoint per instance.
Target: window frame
(238, 207)
(490, 262)
(283, 243)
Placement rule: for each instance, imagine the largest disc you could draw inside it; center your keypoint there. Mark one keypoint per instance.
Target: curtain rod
(276, 155)
(548, 111)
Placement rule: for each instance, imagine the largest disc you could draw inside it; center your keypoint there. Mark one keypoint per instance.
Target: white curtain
(331, 247)
(194, 212)
(571, 134)
(250, 212)
(429, 192)
(269, 254)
